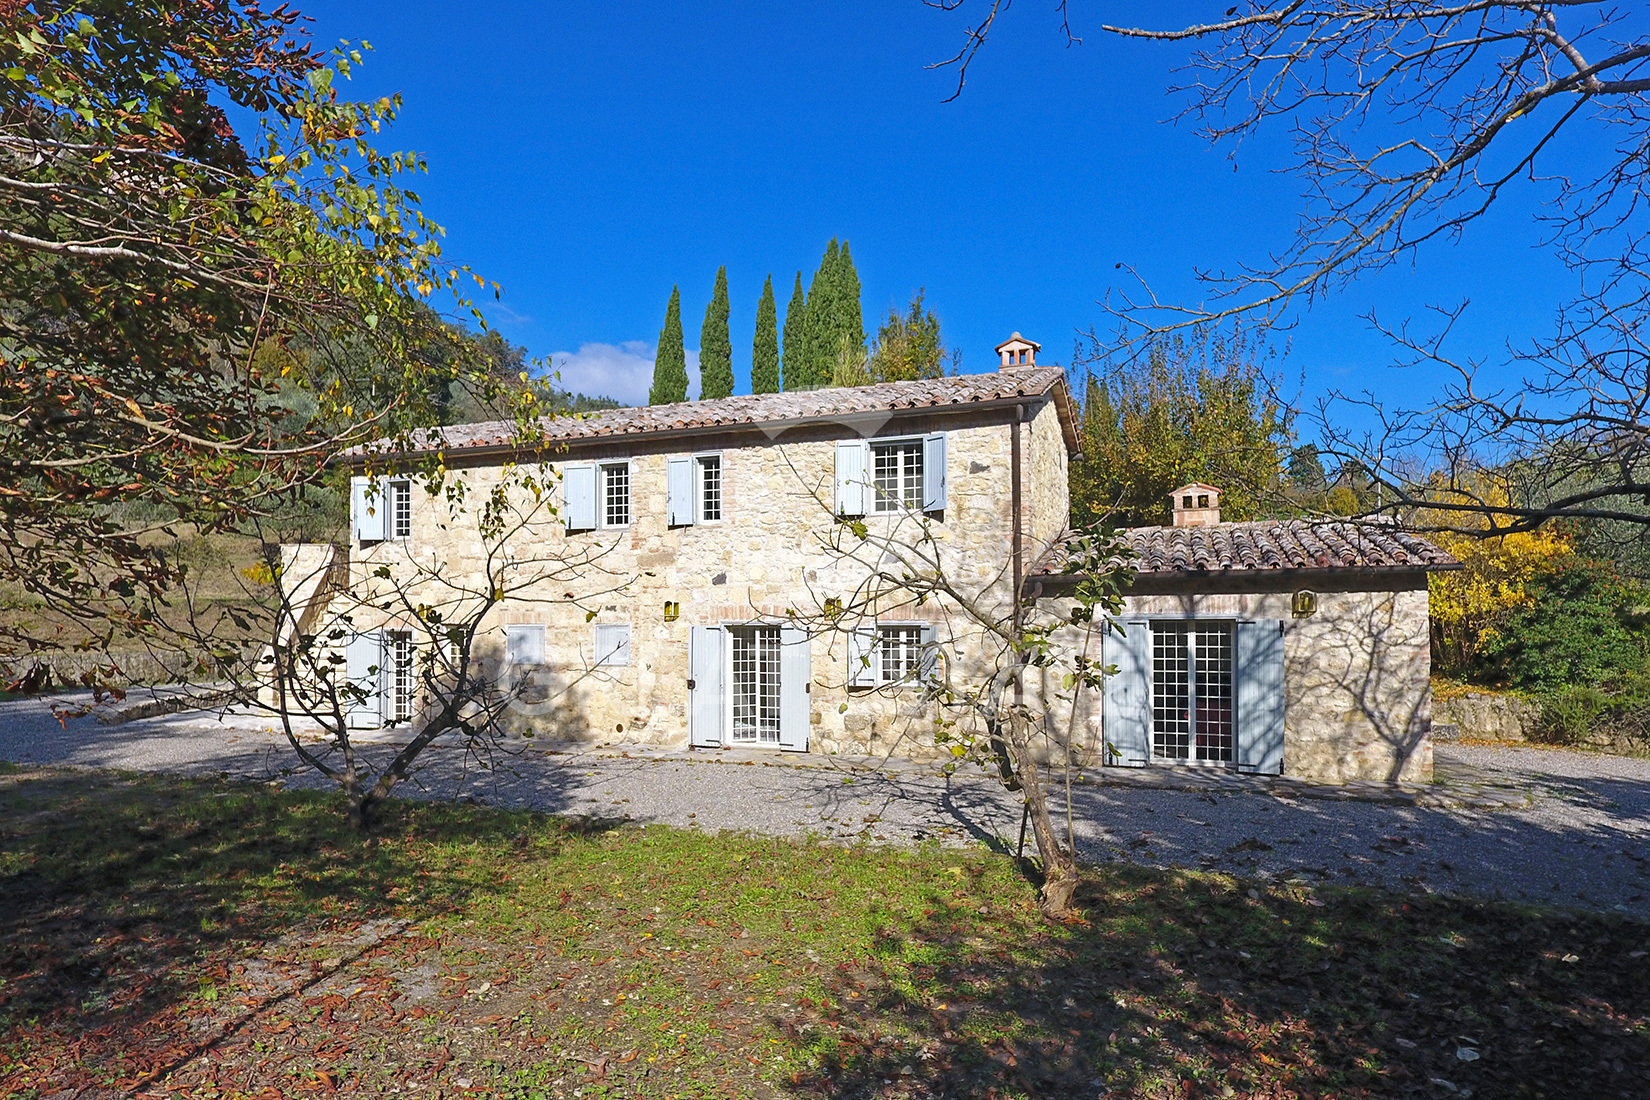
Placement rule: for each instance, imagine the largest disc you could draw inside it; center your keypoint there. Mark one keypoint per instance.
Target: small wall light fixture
(1304, 603)
(833, 606)
(673, 611)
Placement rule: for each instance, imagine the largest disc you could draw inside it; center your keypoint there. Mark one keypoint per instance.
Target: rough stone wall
(1047, 490)
(1357, 679)
(764, 559)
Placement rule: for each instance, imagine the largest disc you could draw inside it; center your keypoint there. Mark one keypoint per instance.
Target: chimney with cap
(1017, 352)
(1195, 505)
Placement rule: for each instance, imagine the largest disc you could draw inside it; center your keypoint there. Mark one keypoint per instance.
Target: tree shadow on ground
(129, 897)
(1188, 984)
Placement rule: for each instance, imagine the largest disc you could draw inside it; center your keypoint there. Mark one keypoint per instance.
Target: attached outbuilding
(1285, 647)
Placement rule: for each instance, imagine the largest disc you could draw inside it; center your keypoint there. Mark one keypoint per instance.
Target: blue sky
(588, 156)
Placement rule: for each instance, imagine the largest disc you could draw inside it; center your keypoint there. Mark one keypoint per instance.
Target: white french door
(753, 685)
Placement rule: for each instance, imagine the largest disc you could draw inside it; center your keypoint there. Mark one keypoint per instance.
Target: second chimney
(1195, 505)
(1016, 352)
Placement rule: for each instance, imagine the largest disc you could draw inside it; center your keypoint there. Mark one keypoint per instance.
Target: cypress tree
(765, 345)
(670, 380)
(796, 321)
(715, 345)
(851, 318)
(821, 325)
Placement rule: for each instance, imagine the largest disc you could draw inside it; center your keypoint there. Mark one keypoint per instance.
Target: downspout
(1005, 760)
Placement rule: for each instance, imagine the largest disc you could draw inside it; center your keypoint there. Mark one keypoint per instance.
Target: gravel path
(1583, 839)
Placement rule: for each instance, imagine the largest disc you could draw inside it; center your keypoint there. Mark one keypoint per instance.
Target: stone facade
(1356, 693)
(765, 561)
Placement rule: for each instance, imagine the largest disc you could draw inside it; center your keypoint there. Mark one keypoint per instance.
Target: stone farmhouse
(1279, 647)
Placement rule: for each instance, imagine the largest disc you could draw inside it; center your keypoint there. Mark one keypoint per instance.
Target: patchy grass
(168, 937)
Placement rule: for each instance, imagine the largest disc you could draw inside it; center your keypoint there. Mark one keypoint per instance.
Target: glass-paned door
(1192, 692)
(754, 682)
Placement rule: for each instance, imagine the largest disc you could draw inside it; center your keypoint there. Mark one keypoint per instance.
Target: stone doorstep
(1470, 791)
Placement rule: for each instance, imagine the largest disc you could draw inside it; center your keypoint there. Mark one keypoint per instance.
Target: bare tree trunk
(1059, 868)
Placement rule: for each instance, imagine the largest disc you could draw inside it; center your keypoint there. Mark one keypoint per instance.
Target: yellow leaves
(1495, 579)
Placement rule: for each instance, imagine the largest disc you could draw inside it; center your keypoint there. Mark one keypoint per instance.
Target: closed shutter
(1259, 675)
(613, 644)
(705, 699)
(369, 508)
(679, 495)
(933, 472)
(930, 666)
(524, 645)
(1127, 714)
(862, 657)
(364, 666)
(579, 495)
(852, 460)
(795, 668)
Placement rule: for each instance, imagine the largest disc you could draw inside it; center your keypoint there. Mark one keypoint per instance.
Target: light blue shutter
(862, 657)
(795, 668)
(933, 472)
(613, 644)
(705, 700)
(679, 495)
(524, 644)
(364, 667)
(852, 461)
(369, 508)
(579, 492)
(929, 668)
(1260, 696)
(1127, 714)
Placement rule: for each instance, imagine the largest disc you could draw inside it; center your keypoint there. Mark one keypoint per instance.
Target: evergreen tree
(796, 323)
(765, 345)
(670, 380)
(910, 345)
(850, 318)
(821, 324)
(715, 345)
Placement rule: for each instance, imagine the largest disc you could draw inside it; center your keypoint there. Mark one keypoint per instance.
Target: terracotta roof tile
(754, 410)
(1269, 545)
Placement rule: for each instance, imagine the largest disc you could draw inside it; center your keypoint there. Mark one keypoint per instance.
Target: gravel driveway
(1582, 839)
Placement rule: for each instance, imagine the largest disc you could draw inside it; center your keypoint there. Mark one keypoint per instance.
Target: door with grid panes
(749, 687)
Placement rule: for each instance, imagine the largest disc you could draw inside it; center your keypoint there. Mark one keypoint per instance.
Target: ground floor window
(398, 646)
(1192, 691)
(755, 682)
(901, 656)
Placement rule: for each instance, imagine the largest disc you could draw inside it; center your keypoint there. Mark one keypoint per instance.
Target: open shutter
(933, 472)
(853, 458)
(928, 670)
(1127, 713)
(862, 657)
(705, 701)
(1260, 696)
(579, 492)
(364, 666)
(369, 508)
(795, 668)
(679, 509)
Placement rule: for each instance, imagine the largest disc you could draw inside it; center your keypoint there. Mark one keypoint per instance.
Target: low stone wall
(67, 668)
(1487, 715)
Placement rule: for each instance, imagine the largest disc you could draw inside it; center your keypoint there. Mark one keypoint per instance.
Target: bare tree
(410, 638)
(1006, 672)
(1409, 123)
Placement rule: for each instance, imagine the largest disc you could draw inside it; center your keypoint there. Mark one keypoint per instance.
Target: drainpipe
(1014, 497)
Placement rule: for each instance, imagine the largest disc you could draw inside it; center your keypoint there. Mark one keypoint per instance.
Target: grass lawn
(166, 937)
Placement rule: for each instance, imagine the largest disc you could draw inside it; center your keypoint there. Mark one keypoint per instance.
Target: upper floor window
(897, 475)
(615, 479)
(400, 506)
(710, 487)
(693, 489)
